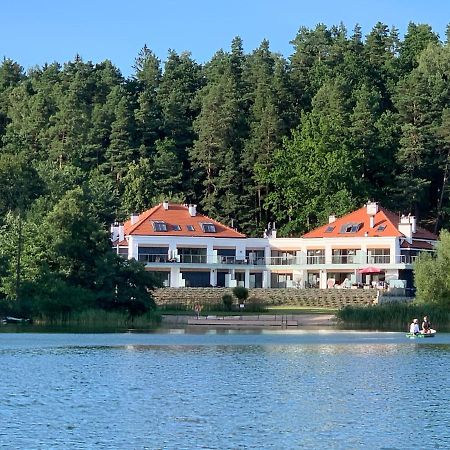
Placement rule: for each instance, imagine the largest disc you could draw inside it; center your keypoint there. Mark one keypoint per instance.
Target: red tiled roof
(176, 215)
(383, 218)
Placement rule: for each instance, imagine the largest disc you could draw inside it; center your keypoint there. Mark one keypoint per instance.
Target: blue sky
(33, 32)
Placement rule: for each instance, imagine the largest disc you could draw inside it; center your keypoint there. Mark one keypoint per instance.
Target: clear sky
(34, 32)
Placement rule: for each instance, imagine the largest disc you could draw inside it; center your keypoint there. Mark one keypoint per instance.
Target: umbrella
(369, 270)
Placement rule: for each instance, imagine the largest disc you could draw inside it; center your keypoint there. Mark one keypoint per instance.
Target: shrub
(255, 305)
(227, 300)
(241, 293)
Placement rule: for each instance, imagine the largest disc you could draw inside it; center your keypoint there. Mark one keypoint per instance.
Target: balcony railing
(346, 259)
(378, 259)
(313, 260)
(154, 258)
(192, 259)
(356, 260)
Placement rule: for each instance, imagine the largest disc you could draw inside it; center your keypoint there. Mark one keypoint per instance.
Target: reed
(393, 316)
(99, 318)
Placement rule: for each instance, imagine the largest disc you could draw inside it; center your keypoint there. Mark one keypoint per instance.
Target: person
(197, 309)
(426, 325)
(414, 327)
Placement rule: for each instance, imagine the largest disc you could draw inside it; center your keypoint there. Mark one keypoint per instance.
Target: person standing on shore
(197, 309)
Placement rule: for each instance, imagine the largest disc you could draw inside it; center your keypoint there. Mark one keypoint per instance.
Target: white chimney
(372, 209)
(117, 232)
(166, 205)
(331, 218)
(413, 224)
(134, 218)
(406, 227)
(192, 210)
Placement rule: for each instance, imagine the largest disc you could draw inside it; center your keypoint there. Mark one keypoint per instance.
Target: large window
(378, 255)
(344, 256)
(316, 256)
(192, 255)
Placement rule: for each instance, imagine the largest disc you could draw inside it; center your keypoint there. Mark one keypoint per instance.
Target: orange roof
(177, 216)
(386, 225)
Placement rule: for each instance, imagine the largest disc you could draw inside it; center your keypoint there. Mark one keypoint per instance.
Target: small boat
(10, 319)
(421, 335)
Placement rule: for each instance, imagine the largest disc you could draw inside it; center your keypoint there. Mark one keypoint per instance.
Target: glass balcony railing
(378, 259)
(193, 259)
(312, 260)
(359, 259)
(154, 258)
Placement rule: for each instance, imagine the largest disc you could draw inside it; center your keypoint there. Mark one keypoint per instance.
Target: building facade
(368, 246)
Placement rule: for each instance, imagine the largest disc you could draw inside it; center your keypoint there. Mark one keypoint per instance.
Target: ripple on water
(223, 391)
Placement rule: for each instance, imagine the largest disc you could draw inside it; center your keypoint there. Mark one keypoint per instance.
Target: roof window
(208, 227)
(329, 229)
(350, 227)
(176, 227)
(159, 225)
(190, 227)
(381, 227)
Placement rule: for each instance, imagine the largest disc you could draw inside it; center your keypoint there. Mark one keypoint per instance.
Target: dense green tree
(432, 273)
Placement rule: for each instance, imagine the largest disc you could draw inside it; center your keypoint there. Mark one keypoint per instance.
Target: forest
(251, 138)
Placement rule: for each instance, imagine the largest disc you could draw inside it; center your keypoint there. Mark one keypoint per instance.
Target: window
(329, 229)
(381, 227)
(208, 227)
(159, 225)
(176, 228)
(350, 228)
(190, 227)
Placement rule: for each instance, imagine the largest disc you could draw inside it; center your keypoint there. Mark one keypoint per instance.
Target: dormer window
(159, 225)
(208, 227)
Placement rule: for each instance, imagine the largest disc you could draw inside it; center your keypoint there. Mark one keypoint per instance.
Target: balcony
(154, 258)
(192, 259)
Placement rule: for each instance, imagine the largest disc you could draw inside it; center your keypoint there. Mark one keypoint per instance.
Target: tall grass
(393, 316)
(99, 318)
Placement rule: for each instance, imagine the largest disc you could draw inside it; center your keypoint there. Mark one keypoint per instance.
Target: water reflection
(223, 390)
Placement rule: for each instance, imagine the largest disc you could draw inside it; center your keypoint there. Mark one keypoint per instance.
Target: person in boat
(426, 325)
(414, 327)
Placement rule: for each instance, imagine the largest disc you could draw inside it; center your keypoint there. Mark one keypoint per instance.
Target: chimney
(331, 218)
(413, 224)
(372, 209)
(273, 231)
(166, 205)
(192, 210)
(134, 218)
(406, 227)
(121, 232)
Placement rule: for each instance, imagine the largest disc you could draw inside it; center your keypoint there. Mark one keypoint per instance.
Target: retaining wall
(327, 298)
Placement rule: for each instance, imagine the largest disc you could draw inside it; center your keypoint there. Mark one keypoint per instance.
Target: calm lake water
(224, 390)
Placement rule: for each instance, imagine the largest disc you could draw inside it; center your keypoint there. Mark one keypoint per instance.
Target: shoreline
(257, 320)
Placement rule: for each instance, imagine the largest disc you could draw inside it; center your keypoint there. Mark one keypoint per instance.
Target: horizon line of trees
(250, 137)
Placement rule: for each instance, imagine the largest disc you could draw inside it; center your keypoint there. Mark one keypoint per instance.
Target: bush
(255, 305)
(241, 293)
(227, 300)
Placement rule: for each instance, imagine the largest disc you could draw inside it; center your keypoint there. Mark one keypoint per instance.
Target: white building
(189, 249)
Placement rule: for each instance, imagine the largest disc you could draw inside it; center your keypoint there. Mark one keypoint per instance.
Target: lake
(178, 389)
